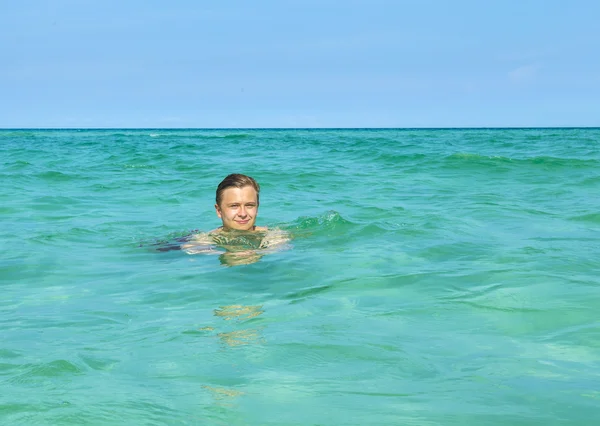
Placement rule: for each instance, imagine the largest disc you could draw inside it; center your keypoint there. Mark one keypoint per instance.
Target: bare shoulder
(202, 238)
(261, 228)
(201, 243)
(275, 238)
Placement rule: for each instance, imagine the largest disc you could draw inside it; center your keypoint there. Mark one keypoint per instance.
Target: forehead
(246, 194)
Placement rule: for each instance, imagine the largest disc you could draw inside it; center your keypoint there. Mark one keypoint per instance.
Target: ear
(218, 210)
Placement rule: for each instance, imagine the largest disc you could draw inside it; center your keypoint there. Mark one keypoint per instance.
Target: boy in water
(237, 201)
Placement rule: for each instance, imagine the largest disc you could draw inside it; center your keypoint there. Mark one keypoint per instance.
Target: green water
(435, 277)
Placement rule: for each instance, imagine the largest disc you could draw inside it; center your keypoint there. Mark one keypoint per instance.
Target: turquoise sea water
(435, 277)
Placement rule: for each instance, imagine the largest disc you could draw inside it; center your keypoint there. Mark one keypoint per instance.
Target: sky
(309, 63)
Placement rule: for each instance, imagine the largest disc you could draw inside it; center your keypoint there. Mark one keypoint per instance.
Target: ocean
(433, 277)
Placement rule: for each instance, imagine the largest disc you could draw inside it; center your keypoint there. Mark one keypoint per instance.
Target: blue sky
(310, 63)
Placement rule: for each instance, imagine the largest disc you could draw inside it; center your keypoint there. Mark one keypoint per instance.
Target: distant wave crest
(546, 161)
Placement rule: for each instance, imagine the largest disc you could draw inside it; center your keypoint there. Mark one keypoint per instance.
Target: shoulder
(202, 237)
(275, 238)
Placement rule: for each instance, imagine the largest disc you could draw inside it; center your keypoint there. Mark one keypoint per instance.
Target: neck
(222, 228)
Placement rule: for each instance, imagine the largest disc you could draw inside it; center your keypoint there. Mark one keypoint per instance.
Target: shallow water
(434, 277)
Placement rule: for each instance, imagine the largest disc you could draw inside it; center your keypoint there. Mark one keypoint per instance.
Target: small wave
(594, 180)
(55, 176)
(563, 162)
(465, 156)
(14, 134)
(71, 235)
(325, 223)
(397, 159)
(32, 373)
(587, 218)
(237, 136)
(229, 137)
(138, 166)
(299, 295)
(546, 161)
(17, 165)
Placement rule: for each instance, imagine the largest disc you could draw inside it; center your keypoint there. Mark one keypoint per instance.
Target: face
(238, 208)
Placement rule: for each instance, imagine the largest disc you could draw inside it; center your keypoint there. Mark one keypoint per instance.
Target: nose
(242, 212)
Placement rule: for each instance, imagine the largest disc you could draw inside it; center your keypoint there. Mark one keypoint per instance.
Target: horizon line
(305, 128)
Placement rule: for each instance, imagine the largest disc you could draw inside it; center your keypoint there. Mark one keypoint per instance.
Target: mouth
(243, 222)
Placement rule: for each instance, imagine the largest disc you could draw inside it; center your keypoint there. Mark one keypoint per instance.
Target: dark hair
(236, 180)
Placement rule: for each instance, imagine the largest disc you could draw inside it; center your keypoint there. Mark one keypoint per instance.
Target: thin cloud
(523, 74)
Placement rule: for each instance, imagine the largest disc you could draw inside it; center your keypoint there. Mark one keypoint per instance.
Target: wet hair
(236, 180)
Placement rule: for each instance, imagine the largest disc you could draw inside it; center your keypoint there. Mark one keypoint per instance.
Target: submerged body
(239, 240)
(219, 240)
(237, 247)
